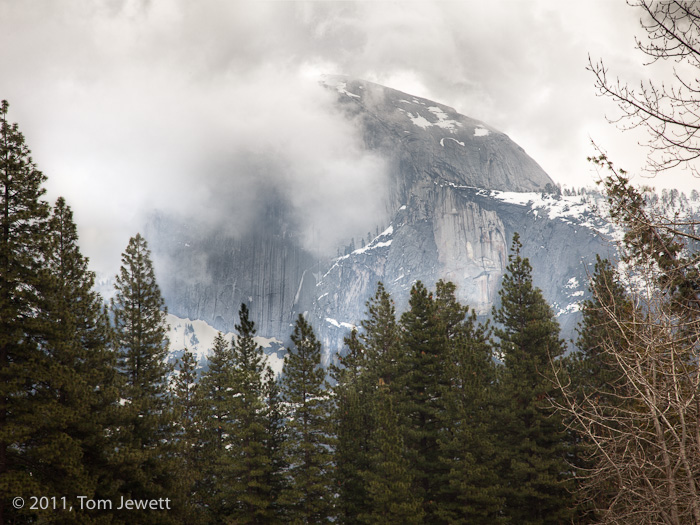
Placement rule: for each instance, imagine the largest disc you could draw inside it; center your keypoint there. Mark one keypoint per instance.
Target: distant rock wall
(444, 224)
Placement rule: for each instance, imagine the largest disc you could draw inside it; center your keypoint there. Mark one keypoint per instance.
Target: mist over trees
(407, 433)
(430, 416)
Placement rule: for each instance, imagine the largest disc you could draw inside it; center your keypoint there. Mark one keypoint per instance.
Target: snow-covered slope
(456, 191)
(198, 337)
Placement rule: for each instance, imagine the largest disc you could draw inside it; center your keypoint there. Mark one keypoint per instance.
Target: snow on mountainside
(198, 337)
(455, 191)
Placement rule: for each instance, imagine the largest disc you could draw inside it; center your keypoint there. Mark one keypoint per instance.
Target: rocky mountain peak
(446, 217)
(431, 141)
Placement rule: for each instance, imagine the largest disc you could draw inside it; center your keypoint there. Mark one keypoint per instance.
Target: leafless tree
(670, 112)
(641, 433)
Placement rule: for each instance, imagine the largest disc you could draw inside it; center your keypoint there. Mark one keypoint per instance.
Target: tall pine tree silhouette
(533, 441)
(308, 495)
(140, 334)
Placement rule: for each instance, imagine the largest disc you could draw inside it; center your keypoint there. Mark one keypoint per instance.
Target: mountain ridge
(445, 221)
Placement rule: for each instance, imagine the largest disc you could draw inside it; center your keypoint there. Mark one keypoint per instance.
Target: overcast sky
(130, 105)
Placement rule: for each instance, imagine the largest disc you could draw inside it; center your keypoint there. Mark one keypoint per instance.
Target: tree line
(425, 417)
(421, 423)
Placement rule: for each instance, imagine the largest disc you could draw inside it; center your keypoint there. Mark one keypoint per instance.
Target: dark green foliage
(147, 425)
(187, 437)
(250, 463)
(533, 467)
(471, 493)
(388, 479)
(81, 381)
(593, 374)
(308, 495)
(605, 316)
(274, 445)
(353, 425)
(368, 363)
(23, 225)
(217, 412)
(419, 386)
(56, 368)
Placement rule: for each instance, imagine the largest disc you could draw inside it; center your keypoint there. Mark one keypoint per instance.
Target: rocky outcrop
(448, 219)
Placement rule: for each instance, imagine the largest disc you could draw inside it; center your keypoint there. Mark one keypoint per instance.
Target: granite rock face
(448, 219)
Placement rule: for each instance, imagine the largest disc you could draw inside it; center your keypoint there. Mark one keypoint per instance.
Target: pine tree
(380, 337)
(467, 448)
(593, 373)
(140, 333)
(188, 442)
(353, 392)
(308, 446)
(422, 381)
(368, 363)
(218, 409)
(23, 223)
(608, 303)
(390, 495)
(532, 437)
(274, 446)
(250, 465)
(82, 373)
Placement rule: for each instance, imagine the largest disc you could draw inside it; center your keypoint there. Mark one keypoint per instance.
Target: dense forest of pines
(429, 417)
(425, 417)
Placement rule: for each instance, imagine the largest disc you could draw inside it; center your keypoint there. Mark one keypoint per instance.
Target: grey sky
(129, 105)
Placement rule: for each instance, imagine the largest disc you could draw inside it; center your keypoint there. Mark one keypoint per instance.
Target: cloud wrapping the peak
(204, 108)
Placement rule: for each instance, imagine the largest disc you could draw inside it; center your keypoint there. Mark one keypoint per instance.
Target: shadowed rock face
(442, 225)
(430, 141)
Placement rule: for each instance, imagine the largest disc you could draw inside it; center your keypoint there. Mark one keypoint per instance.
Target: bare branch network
(669, 112)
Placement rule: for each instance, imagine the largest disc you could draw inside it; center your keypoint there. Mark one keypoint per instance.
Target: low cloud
(205, 108)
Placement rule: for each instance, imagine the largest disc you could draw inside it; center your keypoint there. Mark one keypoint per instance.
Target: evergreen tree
(369, 362)
(274, 446)
(422, 381)
(188, 442)
(380, 337)
(390, 496)
(353, 392)
(82, 373)
(533, 465)
(593, 373)
(23, 226)
(251, 464)
(140, 332)
(218, 408)
(308, 446)
(467, 445)
(603, 320)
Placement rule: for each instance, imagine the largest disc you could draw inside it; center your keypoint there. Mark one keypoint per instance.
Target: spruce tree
(532, 437)
(251, 464)
(147, 423)
(390, 495)
(217, 413)
(420, 387)
(308, 495)
(187, 436)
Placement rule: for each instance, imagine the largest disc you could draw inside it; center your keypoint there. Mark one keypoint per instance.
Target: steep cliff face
(208, 274)
(463, 234)
(450, 217)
